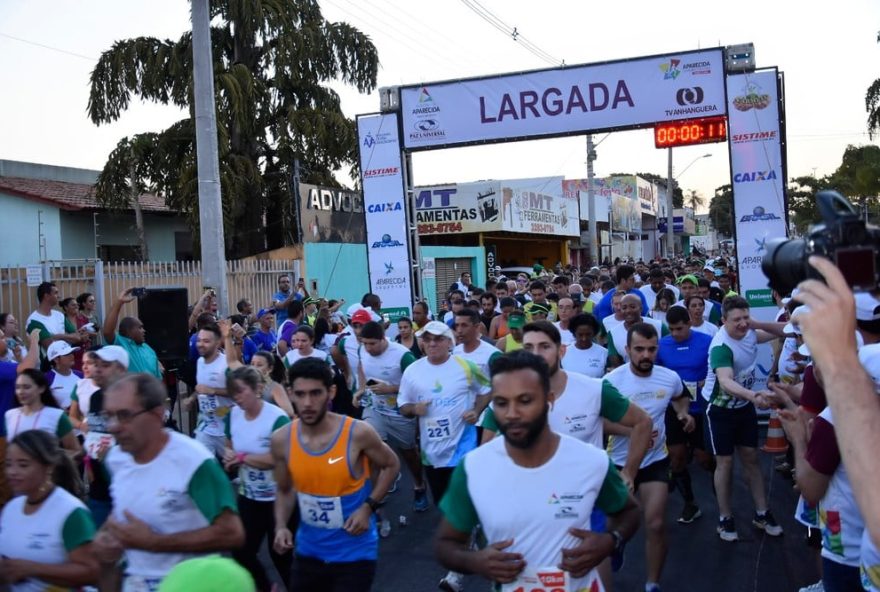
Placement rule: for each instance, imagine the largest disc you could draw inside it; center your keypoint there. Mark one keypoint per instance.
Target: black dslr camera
(842, 237)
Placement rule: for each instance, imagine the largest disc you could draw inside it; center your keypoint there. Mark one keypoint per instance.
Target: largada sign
(573, 100)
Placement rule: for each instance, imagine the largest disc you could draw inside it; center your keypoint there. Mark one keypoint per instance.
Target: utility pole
(591, 203)
(210, 205)
(670, 219)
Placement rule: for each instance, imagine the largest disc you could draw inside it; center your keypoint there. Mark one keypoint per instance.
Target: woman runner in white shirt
(264, 362)
(46, 531)
(39, 411)
(303, 346)
(696, 307)
(249, 427)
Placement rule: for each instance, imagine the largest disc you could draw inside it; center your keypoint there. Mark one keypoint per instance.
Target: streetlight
(670, 219)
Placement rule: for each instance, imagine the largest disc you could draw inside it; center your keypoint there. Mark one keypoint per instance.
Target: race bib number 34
(546, 579)
(321, 512)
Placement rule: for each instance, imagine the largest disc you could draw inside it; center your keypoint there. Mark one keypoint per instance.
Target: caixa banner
(612, 95)
(758, 175)
(384, 206)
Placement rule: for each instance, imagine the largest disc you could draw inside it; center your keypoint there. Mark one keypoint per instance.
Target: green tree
(872, 105)
(272, 61)
(721, 210)
(858, 176)
(695, 200)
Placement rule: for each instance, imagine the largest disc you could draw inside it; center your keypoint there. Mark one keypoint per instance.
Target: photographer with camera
(131, 336)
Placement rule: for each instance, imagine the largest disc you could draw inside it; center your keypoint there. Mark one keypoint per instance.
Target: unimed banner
(387, 239)
(758, 176)
(593, 97)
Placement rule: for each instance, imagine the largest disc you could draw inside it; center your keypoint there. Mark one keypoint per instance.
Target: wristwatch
(374, 505)
(618, 540)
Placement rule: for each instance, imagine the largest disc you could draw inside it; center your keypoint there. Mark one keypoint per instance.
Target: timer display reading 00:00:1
(686, 133)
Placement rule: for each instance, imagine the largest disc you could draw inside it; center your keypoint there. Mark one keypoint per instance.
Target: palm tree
(872, 105)
(272, 59)
(695, 200)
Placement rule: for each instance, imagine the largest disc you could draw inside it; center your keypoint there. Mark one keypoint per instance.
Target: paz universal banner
(759, 202)
(758, 176)
(573, 99)
(387, 239)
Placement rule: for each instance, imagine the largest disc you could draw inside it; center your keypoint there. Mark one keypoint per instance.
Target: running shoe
(385, 528)
(420, 504)
(767, 523)
(817, 587)
(690, 513)
(451, 582)
(727, 530)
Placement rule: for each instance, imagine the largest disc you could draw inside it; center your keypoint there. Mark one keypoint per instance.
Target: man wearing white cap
(447, 393)
(62, 378)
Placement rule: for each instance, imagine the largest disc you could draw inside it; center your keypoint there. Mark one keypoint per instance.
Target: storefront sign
(330, 215)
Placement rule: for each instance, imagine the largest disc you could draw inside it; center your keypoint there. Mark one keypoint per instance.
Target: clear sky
(827, 50)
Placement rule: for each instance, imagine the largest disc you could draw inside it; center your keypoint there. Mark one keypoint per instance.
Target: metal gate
(448, 272)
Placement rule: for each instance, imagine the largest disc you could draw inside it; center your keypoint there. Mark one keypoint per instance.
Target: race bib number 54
(542, 579)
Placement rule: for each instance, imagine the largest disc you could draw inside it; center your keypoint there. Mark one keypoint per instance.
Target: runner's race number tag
(542, 579)
(694, 388)
(93, 442)
(438, 428)
(321, 512)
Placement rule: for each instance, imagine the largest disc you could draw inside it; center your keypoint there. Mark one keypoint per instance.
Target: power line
(49, 47)
(511, 32)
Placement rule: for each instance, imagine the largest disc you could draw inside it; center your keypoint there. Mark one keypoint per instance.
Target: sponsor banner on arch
(623, 94)
(758, 176)
(387, 240)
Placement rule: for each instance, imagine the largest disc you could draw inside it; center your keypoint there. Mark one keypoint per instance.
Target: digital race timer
(693, 131)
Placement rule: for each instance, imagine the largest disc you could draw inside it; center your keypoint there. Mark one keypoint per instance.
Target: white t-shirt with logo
(739, 354)
(589, 362)
(62, 387)
(293, 356)
(388, 368)
(212, 408)
(254, 436)
(481, 356)
(653, 394)
(451, 389)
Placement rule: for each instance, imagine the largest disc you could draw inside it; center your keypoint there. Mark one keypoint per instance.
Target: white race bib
(321, 512)
(694, 388)
(746, 378)
(257, 484)
(141, 584)
(541, 579)
(438, 428)
(93, 441)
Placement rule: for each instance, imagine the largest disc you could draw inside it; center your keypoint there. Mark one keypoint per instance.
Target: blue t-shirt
(264, 341)
(689, 359)
(8, 374)
(281, 313)
(193, 350)
(603, 309)
(248, 349)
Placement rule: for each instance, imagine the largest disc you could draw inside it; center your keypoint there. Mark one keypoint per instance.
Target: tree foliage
(872, 105)
(272, 61)
(721, 210)
(695, 200)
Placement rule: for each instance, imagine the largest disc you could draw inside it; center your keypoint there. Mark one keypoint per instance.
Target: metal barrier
(255, 279)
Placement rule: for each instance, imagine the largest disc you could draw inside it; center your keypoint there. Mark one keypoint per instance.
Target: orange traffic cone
(775, 436)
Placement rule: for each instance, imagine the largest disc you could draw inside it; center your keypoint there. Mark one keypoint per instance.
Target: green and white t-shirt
(739, 354)
(451, 388)
(482, 356)
(48, 419)
(617, 336)
(180, 490)
(50, 325)
(653, 394)
(579, 410)
(293, 356)
(212, 408)
(489, 489)
(589, 362)
(60, 525)
(63, 387)
(254, 436)
(387, 367)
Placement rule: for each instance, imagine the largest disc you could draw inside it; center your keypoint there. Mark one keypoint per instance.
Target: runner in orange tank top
(321, 464)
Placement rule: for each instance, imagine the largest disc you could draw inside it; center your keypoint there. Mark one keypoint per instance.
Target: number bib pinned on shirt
(542, 579)
(257, 484)
(321, 512)
(438, 428)
(693, 388)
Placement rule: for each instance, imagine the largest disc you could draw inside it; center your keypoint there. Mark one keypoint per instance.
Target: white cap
(59, 348)
(792, 326)
(867, 307)
(113, 353)
(436, 328)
